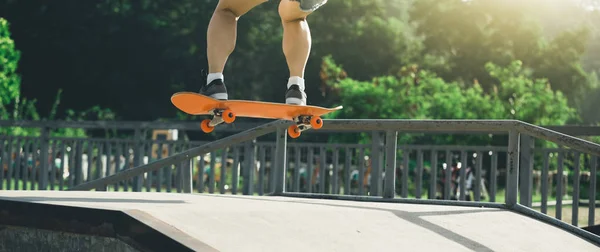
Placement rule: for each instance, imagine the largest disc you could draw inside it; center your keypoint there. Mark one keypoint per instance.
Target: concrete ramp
(200, 222)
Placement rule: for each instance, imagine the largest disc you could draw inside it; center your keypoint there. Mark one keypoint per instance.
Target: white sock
(297, 81)
(214, 76)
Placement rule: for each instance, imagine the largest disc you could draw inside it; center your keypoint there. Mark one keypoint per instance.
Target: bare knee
(229, 12)
(289, 11)
(236, 8)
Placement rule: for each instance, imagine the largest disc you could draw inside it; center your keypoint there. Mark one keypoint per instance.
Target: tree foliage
(9, 79)
(421, 94)
(130, 56)
(467, 34)
(15, 107)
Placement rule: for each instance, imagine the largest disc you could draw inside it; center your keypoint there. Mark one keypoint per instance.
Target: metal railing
(335, 171)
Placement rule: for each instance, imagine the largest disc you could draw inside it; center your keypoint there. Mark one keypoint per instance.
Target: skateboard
(226, 111)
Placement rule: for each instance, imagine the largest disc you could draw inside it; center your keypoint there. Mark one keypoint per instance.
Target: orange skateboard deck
(305, 117)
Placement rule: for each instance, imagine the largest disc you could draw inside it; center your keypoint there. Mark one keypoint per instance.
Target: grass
(567, 214)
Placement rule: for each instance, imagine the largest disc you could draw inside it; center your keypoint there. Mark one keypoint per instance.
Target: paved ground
(243, 223)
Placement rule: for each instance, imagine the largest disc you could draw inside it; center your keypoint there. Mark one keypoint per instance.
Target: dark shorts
(310, 5)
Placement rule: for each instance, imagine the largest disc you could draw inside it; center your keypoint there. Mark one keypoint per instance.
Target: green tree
(464, 35)
(421, 94)
(10, 82)
(15, 107)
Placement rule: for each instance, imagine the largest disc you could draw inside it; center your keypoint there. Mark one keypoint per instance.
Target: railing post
(280, 160)
(138, 157)
(592, 188)
(44, 148)
(526, 171)
(187, 175)
(391, 142)
(376, 163)
(513, 168)
(249, 158)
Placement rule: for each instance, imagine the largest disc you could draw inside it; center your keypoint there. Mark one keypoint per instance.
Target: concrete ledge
(294, 223)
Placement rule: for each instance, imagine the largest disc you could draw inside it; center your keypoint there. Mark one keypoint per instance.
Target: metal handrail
(515, 129)
(130, 173)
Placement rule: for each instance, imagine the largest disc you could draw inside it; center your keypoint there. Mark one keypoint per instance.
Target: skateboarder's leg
(221, 34)
(221, 38)
(296, 48)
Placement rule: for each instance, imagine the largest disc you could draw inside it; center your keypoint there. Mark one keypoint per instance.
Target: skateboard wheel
(316, 122)
(294, 131)
(228, 116)
(206, 127)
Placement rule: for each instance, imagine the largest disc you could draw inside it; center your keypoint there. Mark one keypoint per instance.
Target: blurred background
(535, 60)
(108, 66)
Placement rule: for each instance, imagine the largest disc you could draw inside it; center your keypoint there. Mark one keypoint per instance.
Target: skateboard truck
(302, 123)
(218, 116)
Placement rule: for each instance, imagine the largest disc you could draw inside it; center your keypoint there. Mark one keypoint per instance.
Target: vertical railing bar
(6, 157)
(296, 183)
(109, 155)
(494, 177)
(309, 169)
(575, 211)
(334, 177)
(235, 170)
(280, 163)
(35, 146)
(544, 189)
(27, 151)
(138, 149)
(17, 172)
(347, 171)
(75, 163)
(448, 175)
(513, 168)
(159, 175)
(419, 170)
(250, 160)
(24, 165)
(222, 174)
(11, 168)
(179, 177)
(212, 174)
(187, 175)
(406, 163)
(3, 160)
(44, 166)
(559, 183)
(10, 179)
(201, 170)
(526, 170)
(272, 169)
(462, 175)
(118, 153)
(15, 146)
(212, 179)
(433, 171)
(52, 168)
(592, 192)
(148, 181)
(478, 171)
(376, 164)
(100, 147)
(361, 172)
(89, 161)
(261, 171)
(391, 143)
(170, 148)
(322, 169)
(127, 163)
